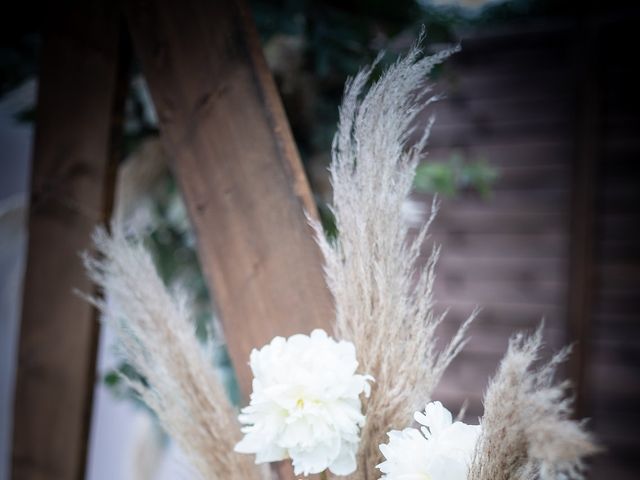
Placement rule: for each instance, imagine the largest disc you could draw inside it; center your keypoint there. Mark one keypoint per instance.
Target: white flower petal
(345, 462)
(440, 450)
(305, 404)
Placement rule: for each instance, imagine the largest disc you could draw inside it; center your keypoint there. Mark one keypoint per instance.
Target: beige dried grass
(527, 432)
(156, 335)
(382, 290)
(138, 176)
(384, 305)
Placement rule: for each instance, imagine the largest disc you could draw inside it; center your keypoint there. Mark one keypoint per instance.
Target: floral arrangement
(358, 403)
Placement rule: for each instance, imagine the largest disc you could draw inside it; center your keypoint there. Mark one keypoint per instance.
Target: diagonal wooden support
(238, 168)
(81, 92)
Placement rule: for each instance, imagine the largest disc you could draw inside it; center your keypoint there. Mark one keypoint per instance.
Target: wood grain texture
(238, 168)
(71, 191)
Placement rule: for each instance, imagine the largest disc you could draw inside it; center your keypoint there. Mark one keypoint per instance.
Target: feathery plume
(156, 335)
(138, 176)
(527, 432)
(383, 301)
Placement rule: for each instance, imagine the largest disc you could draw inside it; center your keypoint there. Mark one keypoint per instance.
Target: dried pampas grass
(527, 432)
(383, 294)
(384, 306)
(156, 335)
(138, 176)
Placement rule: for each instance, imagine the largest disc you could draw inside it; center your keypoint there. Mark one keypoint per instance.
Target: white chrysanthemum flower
(305, 404)
(441, 450)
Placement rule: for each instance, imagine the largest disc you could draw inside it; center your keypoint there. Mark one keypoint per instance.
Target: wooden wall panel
(72, 182)
(507, 253)
(559, 236)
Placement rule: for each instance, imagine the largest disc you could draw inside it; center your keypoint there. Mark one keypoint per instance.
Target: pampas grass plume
(527, 432)
(382, 292)
(156, 335)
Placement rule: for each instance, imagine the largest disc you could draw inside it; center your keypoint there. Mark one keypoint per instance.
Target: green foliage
(435, 178)
(447, 178)
(328, 220)
(116, 381)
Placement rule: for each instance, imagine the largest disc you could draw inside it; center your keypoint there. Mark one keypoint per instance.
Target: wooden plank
(513, 316)
(510, 200)
(500, 132)
(517, 36)
(498, 222)
(491, 340)
(532, 107)
(529, 153)
(80, 94)
(238, 168)
(539, 293)
(514, 81)
(488, 245)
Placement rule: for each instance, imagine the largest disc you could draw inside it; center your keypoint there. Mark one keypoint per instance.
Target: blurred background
(533, 156)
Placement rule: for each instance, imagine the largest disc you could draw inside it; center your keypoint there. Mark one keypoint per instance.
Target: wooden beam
(72, 181)
(238, 168)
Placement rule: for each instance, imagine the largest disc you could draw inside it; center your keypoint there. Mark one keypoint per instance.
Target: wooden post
(583, 205)
(238, 168)
(71, 190)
